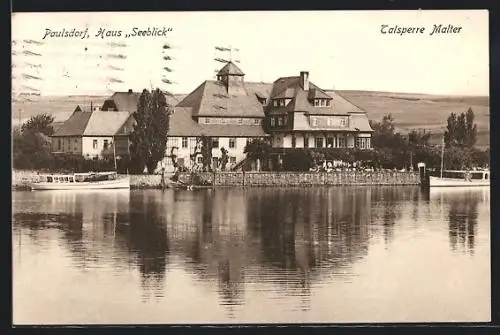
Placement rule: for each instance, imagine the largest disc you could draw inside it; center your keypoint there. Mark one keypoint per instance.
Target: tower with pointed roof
(233, 79)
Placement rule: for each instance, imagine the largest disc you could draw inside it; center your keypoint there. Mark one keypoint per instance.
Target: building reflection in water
(462, 207)
(230, 239)
(289, 238)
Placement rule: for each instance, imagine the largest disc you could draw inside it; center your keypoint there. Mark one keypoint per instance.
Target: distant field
(410, 111)
(413, 111)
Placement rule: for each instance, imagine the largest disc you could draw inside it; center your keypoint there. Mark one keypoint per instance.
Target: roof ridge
(349, 101)
(87, 122)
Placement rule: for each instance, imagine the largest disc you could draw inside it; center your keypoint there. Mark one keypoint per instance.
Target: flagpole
(442, 157)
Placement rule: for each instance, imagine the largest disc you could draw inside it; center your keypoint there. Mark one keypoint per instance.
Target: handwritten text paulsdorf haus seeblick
(106, 33)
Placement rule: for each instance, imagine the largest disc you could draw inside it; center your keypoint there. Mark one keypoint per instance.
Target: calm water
(251, 255)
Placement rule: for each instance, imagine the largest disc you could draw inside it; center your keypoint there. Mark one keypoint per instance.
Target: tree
(206, 152)
(149, 137)
(159, 129)
(258, 149)
(31, 150)
(461, 131)
(224, 158)
(470, 129)
(419, 138)
(41, 123)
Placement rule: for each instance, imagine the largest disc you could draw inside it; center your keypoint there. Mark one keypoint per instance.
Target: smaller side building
(94, 134)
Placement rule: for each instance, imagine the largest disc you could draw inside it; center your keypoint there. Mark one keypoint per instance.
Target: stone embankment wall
(21, 179)
(301, 178)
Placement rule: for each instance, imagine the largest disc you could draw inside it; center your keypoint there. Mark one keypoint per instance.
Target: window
(59, 144)
(280, 122)
(173, 142)
(184, 142)
(232, 160)
(486, 176)
(94, 144)
(215, 142)
(306, 141)
(192, 142)
(273, 122)
(363, 142)
(279, 103)
(199, 159)
(232, 143)
(256, 121)
(343, 122)
(341, 141)
(240, 121)
(329, 142)
(294, 141)
(284, 120)
(207, 120)
(76, 144)
(327, 102)
(316, 102)
(314, 121)
(319, 142)
(105, 144)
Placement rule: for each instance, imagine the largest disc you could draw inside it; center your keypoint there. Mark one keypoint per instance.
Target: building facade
(291, 112)
(227, 110)
(301, 115)
(94, 134)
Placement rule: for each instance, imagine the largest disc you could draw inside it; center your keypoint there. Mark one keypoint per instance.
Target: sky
(343, 50)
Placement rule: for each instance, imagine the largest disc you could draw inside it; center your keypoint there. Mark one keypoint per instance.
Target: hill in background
(414, 111)
(410, 111)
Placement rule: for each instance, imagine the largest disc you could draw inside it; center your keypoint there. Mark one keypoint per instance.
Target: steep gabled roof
(261, 90)
(105, 123)
(291, 88)
(75, 125)
(96, 123)
(212, 99)
(127, 101)
(230, 69)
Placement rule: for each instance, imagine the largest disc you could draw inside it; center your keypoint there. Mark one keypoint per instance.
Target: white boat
(460, 178)
(81, 181)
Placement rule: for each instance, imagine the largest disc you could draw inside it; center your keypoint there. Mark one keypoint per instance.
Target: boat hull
(450, 182)
(122, 183)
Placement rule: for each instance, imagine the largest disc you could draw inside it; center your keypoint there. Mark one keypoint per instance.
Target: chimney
(129, 91)
(304, 80)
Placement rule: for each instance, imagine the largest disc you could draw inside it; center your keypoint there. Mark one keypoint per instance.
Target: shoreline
(21, 179)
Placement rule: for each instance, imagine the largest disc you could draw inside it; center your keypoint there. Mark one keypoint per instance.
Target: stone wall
(145, 181)
(21, 178)
(301, 178)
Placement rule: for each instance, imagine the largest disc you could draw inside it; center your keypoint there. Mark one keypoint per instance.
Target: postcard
(250, 167)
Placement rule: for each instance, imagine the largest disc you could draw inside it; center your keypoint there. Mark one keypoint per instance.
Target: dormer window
(321, 102)
(273, 122)
(279, 102)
